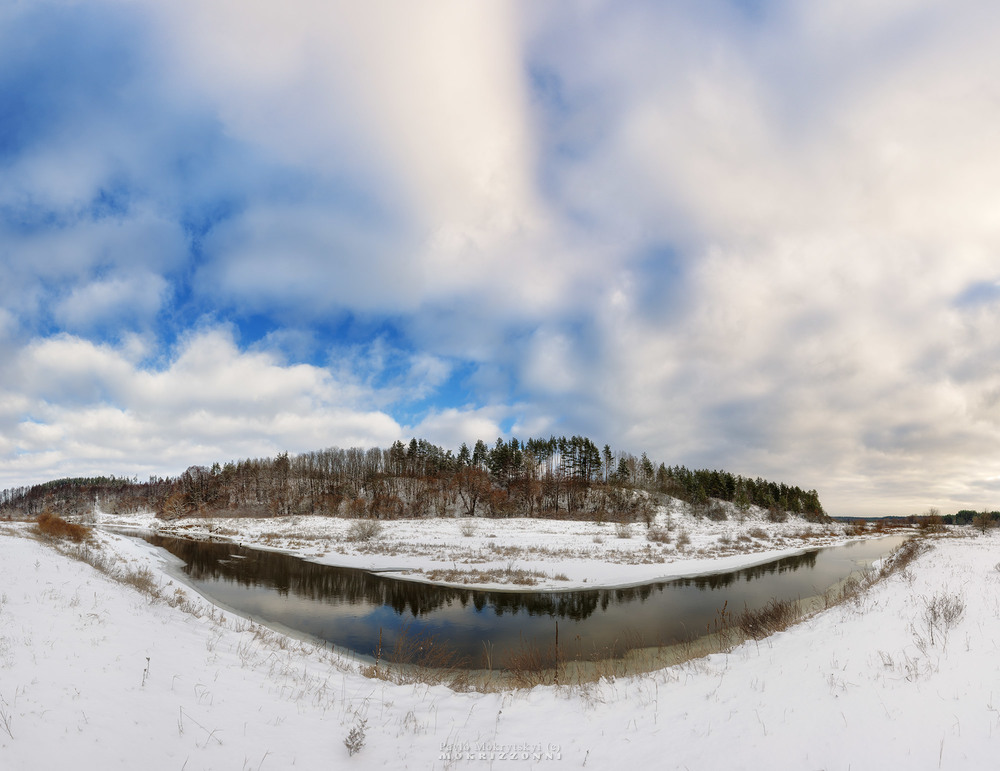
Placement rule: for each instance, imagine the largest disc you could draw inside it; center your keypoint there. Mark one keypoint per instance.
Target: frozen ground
(511, 553)
(95, 674)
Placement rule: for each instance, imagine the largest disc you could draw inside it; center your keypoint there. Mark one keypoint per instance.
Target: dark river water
(354, 610)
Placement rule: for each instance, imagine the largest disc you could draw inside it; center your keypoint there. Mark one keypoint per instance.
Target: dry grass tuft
(776, 616)
(941, 613)
(531, 665)
(142, 580)
(417, 657)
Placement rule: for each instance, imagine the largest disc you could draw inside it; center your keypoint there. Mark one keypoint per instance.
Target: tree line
(557, 476)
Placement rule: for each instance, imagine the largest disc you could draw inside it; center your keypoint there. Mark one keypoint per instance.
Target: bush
(364, 530)
(386, 507)
(56, 527)
(776, 514)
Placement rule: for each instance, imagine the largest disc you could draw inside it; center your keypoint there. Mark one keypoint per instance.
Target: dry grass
(506, 575)
(776, 616)
(855, 587)
(529, 666)
(142, 580)
(941, 613)
(416, 657)
(728, 630)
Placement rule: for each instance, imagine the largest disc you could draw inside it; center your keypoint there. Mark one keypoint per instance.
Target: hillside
(555, 477)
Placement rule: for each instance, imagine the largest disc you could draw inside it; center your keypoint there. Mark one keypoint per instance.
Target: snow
(96, 675)
(557, 554)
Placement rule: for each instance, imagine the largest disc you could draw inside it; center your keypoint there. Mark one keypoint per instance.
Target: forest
(555, 477)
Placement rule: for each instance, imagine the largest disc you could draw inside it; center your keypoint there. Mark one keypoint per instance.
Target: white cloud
(87, 272)
(735, 242)
(69, 404)
(137, 297)
(450, 427)
(423, 110)
(829, 189)
(433, 93)
(308, 259)
(550, 365)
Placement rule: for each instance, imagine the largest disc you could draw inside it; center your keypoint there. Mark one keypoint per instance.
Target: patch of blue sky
(84, 68)
(978, 293)
(112, 201)
(661, 292)
(572, 129)
(55, 66)
(547, 89)
(455, 392)
(23, 219)
(755, 10)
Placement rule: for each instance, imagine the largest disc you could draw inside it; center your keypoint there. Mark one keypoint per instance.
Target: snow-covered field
(513, 553)
(95, 675)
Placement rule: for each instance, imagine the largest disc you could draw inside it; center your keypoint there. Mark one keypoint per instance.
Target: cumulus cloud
(69, 404)
(761, 240)
(451, 427)
(420, 114)
(825, 177)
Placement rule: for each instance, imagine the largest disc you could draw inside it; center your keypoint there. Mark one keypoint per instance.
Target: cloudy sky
(742, 234)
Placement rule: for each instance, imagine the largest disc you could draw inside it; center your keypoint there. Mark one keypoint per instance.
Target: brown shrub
(776, 616)
(55, 526)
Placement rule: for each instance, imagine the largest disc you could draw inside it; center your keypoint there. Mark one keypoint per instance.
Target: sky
(740, 234)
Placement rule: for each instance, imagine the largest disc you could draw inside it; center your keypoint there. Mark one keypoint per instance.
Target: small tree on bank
(983, 520)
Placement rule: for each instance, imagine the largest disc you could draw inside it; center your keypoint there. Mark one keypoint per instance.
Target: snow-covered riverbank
(95, 674)
(518, 553)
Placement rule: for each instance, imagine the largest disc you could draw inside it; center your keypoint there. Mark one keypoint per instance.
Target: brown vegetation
(776, 616)
(56, 527)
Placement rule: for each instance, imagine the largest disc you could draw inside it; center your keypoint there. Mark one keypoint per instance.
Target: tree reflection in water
(351, 608)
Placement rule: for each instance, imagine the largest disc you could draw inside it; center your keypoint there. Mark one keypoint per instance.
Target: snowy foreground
(94, 674)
